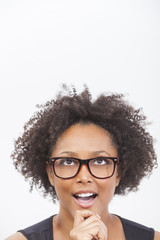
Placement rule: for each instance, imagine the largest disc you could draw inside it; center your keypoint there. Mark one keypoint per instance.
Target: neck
(106, 217)
(63, 224)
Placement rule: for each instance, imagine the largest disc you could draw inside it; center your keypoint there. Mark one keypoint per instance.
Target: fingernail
(98, 216)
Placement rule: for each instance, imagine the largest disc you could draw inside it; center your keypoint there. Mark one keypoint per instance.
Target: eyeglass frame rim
(81, 162)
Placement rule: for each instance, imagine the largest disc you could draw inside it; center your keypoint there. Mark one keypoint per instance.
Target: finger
(91, 231)
(81, 215)
(99, 232)
(95, 230)
(87, 221)
(90, 223)
(96, 226)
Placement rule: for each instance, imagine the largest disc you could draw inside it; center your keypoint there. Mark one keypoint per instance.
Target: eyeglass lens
(99, 167)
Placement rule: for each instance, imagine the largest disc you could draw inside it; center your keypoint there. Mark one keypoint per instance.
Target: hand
(88, 226)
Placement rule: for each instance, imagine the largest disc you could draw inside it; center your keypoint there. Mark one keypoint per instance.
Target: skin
(84, 141)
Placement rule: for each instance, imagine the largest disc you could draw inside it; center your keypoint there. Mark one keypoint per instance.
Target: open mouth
(85, 200)
(85, 196)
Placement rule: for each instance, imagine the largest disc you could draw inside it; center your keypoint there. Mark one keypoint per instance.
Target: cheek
(108, 188)
(61, 188)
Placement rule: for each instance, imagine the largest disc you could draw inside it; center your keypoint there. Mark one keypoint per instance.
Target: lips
(85, 199)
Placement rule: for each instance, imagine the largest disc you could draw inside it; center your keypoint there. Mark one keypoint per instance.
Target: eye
(66, 162)
(102, 161)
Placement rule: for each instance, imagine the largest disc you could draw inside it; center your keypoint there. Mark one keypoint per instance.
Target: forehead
(85, 138)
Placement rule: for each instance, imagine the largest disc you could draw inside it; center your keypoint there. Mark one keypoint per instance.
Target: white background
(113, 46)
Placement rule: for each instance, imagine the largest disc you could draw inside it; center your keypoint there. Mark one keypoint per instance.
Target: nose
(84, 175)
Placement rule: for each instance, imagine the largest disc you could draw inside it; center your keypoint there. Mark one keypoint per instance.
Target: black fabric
(40, 231)
(135, 231)
(44, 230)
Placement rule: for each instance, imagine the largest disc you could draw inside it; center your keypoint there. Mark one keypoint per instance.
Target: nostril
(82, 178)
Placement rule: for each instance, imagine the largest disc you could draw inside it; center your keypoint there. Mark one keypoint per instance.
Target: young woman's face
(84, 142)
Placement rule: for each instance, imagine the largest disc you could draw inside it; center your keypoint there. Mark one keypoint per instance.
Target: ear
(118, 176)
(50, 173)
(118, 179)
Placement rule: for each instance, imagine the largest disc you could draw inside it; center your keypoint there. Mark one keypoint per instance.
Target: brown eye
(102, 161)
(66, 162)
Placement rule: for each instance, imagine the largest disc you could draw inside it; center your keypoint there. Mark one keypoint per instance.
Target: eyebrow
(93, 153)
(67, 152)
(100, 153)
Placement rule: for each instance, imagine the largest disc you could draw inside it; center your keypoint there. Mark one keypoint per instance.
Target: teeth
(84, 194)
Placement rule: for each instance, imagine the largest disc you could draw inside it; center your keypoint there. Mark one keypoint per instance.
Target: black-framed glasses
(99, 167)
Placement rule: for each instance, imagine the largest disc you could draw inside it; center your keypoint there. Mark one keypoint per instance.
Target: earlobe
(117, 180)
(50, 174)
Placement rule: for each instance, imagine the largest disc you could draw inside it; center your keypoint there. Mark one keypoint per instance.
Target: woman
(82, 152)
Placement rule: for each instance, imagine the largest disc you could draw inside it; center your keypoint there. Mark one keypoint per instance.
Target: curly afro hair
(125, 124)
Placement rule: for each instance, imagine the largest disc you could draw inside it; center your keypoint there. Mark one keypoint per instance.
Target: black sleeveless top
(44, 230)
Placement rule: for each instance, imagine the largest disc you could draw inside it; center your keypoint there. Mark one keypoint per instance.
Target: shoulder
(16, 236)
(157, 235)
(40, 226)
(137, 230)
(36, 231)
(133, 224)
